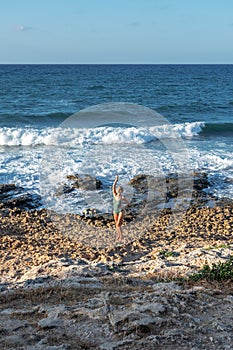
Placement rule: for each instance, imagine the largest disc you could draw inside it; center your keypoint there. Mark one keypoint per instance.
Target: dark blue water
(179, 92)
(197, 100)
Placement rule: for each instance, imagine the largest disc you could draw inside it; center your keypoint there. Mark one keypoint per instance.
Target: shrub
(221, 271)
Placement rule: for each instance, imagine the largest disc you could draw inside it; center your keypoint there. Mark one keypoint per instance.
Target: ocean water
(103, 120)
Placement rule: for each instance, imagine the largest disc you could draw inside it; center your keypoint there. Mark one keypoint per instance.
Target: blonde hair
(120, 188)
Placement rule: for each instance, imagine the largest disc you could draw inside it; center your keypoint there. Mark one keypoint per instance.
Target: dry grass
(45, 295)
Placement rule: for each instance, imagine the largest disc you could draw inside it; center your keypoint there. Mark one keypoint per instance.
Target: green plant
(167, 254)
(220, 246)
(221, 271)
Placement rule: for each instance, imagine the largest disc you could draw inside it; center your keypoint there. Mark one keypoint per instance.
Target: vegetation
(220, 272)
(167, 254)
(220, 246)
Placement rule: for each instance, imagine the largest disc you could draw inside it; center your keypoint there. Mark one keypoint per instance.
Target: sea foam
(99, 135)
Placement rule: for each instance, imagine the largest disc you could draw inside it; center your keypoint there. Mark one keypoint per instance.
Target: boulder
(172, 185)
(85, 182)
(13, 196)
(50, 322)
(200, 181)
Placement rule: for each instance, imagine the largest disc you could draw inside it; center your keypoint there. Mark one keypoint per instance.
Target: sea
(103, 120)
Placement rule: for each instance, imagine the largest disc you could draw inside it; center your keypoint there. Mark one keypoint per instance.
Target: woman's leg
(115, 217)
(118, 220)
(119, 223)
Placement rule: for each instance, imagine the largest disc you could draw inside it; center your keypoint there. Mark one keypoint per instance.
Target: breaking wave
(28, 136)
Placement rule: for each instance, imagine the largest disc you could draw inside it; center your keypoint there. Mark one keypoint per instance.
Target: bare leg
(118, 225)
(119, 230)
(120, 218)
(118, 221)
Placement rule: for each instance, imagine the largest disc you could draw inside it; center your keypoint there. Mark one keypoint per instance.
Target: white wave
(212, 161)
(102, 135)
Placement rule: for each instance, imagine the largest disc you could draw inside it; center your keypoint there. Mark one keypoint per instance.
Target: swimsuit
(117, 209)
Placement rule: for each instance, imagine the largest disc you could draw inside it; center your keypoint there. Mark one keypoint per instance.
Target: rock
(56, 288)
(6, 190)
(64, 190)
(26, 201)
(200, 181)
(30, 275)
(140, 182)
(161, 186)
(122, 313)
(90, 212)
(85, 182)
(163, 189)
(50, 347)
(53, 347)
(14, 341)
(50, 322)
(12, 196)
(136, 315)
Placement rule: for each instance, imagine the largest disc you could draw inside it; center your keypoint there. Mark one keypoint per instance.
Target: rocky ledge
(67, 284)
(89, 312)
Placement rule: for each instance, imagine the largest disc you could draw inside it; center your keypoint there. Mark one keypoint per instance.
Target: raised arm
(114, 185)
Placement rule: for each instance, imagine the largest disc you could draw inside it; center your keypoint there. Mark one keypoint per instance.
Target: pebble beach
(70, 291)
(30, 239)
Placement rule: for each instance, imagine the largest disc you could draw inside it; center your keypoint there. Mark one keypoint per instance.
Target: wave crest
(100, 135)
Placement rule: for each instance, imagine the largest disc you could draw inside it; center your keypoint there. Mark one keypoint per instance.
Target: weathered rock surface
(84, 182)
(80, 182)
(13, 196)
(116, 313)
(65, 283)
(172, 186)
(31, 239)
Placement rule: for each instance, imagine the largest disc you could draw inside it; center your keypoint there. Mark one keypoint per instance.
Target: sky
(116, 31)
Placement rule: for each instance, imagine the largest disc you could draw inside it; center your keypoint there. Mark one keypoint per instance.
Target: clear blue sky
(116, 31)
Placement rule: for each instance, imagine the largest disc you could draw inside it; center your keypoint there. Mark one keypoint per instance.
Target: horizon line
(115, 63)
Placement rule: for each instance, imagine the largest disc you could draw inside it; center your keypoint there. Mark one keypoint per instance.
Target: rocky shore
(65, 283)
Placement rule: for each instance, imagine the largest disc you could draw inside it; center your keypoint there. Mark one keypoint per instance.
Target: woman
(118, 209)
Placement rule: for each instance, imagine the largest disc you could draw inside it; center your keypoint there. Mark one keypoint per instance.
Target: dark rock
(12, 196)
(7, 190)
(26, 201)
(90, 212)
(200, 181)
(171, 186)
(145, 183)
(85, 182)
(140, 182)
(64, 190)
